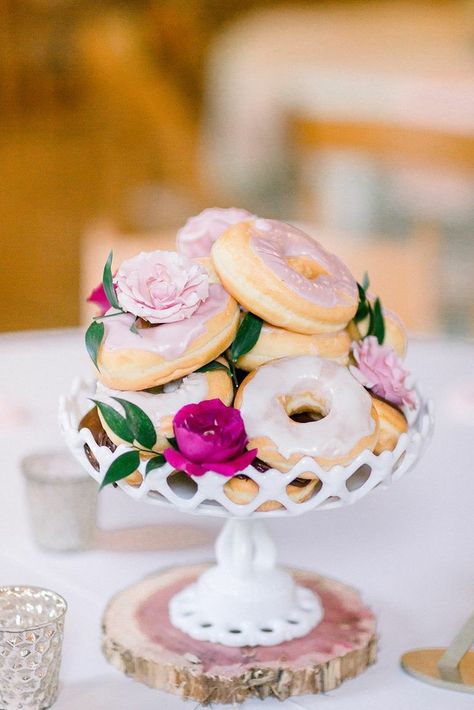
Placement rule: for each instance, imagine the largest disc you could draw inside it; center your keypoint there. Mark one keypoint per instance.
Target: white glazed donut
(162, 405)
(270, 395)
(197, 236)
(284, 276)
(274, 343)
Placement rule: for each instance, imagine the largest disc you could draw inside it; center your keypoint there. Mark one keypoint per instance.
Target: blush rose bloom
(98, 297)
(380, 369)
(210, 437)
(161, 286)
(199, 233)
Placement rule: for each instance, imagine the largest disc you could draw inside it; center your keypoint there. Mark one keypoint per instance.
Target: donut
(282, 275)
(162, 403)
(274, 343)
(242, 490)
(200, 232)
(392, 423)
(166, 352)
(269, 396)
(395, 332)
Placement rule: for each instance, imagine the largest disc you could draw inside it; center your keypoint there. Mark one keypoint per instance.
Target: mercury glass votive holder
(31, 635)
(62, 501)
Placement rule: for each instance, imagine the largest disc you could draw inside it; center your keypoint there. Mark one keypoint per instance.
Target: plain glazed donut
(392, 423)
(274, 343)
(161, 406)
(200, 232)
(242, 490)
(284, 276)
(167, 352)
(270, 395)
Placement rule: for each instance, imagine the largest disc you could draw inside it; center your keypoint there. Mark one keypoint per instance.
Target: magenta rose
(380, 369)
(210, 437)
(161, 286)
(98, 297)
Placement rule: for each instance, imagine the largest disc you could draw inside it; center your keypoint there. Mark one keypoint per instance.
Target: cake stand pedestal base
(139, 640)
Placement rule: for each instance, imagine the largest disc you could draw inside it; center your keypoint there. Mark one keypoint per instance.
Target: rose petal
(230, 468)
(98, 297)
(181, 463)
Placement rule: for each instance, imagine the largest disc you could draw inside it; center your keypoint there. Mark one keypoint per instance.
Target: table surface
(408, 549)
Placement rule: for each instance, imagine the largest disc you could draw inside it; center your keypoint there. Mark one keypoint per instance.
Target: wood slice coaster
(140, 641)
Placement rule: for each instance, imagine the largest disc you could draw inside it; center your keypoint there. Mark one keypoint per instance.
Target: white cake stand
(246, 599)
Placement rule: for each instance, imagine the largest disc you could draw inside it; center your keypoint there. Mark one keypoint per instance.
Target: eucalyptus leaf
(121, 467)
(247, 336)
(107, 282)
(365, 281)
(214, 365)
(115, 421)
(139, 423)
(94, 336)
(377, 322)
(156, 462)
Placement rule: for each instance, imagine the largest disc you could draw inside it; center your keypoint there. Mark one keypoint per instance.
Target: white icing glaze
(275, 242)
(199, 233)
(348, 406)
(169, 340)
(188, 390)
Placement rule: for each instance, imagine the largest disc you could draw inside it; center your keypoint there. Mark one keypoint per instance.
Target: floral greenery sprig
(375, 313)
(95, 332)
(246, 337)
(136, 428)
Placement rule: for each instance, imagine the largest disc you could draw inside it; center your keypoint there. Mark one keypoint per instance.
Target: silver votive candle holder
(62, 501)
(31, 636)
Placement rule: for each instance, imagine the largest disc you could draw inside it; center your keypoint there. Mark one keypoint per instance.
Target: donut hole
(306, 267)
(304, 408)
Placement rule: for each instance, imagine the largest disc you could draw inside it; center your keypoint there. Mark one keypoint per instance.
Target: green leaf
(365, 281)
(134, 329)
(154, 390)
(139, 423)
(107, 283)
(214, 365)
(94, 336)
(172, 441)
(115, 421)
(364, 305)
(247, 336)
(156, 462)
(377, 323)
(121, 467)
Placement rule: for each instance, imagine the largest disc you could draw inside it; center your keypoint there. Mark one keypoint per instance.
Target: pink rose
(161, 286)
(98, 297)
(210, 437)
(380, 369)
(200, 232)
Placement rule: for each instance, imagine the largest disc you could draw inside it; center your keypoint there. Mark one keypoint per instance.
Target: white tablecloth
(408, 549)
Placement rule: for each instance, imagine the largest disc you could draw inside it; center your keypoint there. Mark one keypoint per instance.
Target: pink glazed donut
(284, 276)
(197, 236)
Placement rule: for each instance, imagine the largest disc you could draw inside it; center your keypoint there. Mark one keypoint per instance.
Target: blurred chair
(416, 187)
(404, 273)
(95, 246)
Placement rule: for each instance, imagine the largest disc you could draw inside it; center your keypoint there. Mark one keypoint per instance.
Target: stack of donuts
(295, 387)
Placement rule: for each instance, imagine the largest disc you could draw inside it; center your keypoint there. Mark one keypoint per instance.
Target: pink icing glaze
(274, 242)
(347, 625)
(199, 233)
(169, 340)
